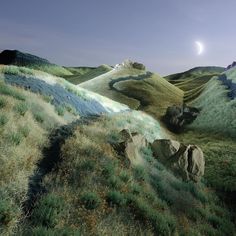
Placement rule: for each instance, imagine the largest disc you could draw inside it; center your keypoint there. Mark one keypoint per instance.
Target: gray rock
(186, 161)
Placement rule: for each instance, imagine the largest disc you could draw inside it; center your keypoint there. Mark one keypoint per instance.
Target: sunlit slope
(138, 89)
(95, 190)
(192, 82)
(83, 74)
(218, 110)
(59, 91)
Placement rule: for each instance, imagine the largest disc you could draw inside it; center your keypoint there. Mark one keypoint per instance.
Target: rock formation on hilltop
(231, 65)
(130, 64)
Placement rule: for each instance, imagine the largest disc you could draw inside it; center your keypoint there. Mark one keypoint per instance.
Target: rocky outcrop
(231, 65)
(138, 66)
(130, 145)
(130, 64)
(176, 117)
(186, 161)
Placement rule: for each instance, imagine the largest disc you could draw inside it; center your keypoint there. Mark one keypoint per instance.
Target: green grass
(193, 82)
(21, 144)
(10, 91)
(139, 90)
(48, 210)
(3, 103)
(21, 108)
(3, 119)
(217, 110)
(81, 75)
(90, 200)
(147, 195)
(115, 198)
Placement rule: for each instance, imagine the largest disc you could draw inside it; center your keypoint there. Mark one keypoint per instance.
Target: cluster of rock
(231, 65)
(176, 117)
(185, 161)
(130, 64)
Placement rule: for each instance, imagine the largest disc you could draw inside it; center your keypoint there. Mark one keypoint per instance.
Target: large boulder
(130, 145)
(186, 161)
(176, 117)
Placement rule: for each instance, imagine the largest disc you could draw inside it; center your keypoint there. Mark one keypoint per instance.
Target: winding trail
(50, 161)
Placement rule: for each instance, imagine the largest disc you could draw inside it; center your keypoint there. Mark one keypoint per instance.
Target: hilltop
(137, 88)
(82, 74)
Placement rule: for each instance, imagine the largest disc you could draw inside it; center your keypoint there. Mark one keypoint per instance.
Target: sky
(161, 34)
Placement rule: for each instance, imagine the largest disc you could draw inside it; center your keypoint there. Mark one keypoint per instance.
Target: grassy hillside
(61, 173)
(214, 131)
(196, 72)
(26, 120)
(136, 88)
(217, 110)
(193, 81)
(60, 92)
(111, 196)
(80, 70)
(17, 58)
(82, 74)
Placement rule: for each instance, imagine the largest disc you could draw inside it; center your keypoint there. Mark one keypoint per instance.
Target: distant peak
(231, 65)
(129, 64)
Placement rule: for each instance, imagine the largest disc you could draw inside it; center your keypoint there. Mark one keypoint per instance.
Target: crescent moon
(200, 47)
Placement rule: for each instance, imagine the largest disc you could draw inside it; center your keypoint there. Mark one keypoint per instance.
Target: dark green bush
(162, 223)
(21, 108)
(90, 200)
(60, 110)
(7, 90)
(7, 213)
(3, 103)
(24, 130)
(38, 116)
(139, 173)
(48, 211)
(114, 182)
(47, 98)
(44, 231)
(147, 154)
(71, 109)
(3, 119)
(115, 198)
(88, 165)
(136, 188)
(124, 176)
(108, 169)
(15, 138)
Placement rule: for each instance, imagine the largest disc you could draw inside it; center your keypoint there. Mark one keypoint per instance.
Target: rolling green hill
(136, 88)
(192, 82)
(83, 74)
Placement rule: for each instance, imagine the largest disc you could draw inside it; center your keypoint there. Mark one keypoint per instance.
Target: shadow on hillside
(50, 161)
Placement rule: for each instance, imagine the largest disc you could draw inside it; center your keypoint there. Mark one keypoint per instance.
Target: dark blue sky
(158, 33)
